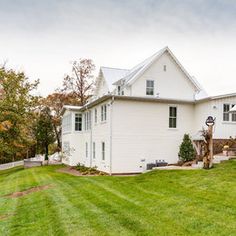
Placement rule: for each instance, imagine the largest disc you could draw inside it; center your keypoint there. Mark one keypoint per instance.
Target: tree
(186, 150)
(44, 132)
(16, 107)
(55, 103)
(80, 82)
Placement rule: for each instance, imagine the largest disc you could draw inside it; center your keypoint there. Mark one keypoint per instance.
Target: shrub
(88, 170)
(186, 150)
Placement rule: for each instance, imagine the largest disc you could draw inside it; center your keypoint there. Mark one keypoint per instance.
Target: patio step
(219, 159)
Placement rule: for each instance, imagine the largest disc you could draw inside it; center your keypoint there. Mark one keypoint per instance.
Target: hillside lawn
(197, 202)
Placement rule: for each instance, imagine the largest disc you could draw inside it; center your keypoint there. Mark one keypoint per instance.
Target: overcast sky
(43, 37)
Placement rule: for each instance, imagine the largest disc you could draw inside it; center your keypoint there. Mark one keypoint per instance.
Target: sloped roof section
(111, 75)
(141, 67)
(138, 70)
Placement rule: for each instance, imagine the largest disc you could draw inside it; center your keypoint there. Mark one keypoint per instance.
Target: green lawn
(197, 202)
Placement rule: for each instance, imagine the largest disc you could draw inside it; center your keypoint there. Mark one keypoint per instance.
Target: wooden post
(210, 132)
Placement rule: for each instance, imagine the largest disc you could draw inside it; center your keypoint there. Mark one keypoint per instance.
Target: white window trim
(94, 150)
(150, 87)
(173, 128)
(67, 122)
(95, 116)
(230, 121)
(103, 151)
(104, 113)
(225, 112)
(78, 122)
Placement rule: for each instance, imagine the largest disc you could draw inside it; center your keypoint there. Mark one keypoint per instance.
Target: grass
(197, 202)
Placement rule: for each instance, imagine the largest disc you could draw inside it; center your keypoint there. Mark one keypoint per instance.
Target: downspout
(91, 137)
(111, 114)
(90, 148)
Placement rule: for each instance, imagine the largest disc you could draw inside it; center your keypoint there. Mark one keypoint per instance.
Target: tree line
(31, 124)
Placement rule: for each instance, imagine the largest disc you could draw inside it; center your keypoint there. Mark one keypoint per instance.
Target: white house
(140, 115)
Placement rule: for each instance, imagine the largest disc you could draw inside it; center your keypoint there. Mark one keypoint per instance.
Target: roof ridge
(113, 68)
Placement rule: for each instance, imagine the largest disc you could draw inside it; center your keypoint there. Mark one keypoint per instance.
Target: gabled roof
(138, 70)
(111, 75)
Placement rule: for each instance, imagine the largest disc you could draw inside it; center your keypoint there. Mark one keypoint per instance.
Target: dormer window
(149, 87)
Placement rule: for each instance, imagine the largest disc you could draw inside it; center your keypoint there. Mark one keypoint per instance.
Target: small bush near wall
(88, 170)
(186, 149)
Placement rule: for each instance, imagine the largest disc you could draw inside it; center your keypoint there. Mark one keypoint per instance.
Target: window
(78, 122)
(103, 112)
(233, 115)
(94, 150)
(118, 90)
(172, 117)
(87, 120)
(66, 123)
(164, 67)
(226, 108)
(150, 87)
(103, 151)
(86, 150)
(95, 116)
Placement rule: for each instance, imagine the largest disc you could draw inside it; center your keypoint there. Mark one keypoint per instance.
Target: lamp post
(210, 121)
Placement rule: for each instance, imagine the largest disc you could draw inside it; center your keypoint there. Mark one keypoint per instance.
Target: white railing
(11, 165)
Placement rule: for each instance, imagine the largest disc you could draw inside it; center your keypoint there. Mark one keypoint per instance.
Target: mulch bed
(28, 191)
(74, 172)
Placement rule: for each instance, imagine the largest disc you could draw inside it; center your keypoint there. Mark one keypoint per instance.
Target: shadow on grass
(11, 171)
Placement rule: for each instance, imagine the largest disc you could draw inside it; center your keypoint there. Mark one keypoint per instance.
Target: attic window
(164, 67)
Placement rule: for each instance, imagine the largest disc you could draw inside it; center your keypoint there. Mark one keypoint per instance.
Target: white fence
(11, 165)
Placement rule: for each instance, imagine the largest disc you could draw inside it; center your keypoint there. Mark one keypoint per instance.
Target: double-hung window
(95, 115)
(78, 122)
(103, 151)
(226, 108)
(103, 113)
(149, 87)
(172, 117)
(233, 115)
(66, 123)
(87, 120)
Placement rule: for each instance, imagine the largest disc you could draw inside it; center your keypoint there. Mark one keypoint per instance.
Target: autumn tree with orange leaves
(55, 103)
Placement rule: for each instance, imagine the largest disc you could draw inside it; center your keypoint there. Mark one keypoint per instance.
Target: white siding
(171, 83)
(141, 131)
(98, 133)
(222, 129)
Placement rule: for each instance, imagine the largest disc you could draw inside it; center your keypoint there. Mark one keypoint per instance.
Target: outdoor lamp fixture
(210, 121)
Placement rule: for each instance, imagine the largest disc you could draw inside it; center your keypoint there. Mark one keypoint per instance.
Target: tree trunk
(57, 136)
(208, 158)
(46, 152)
